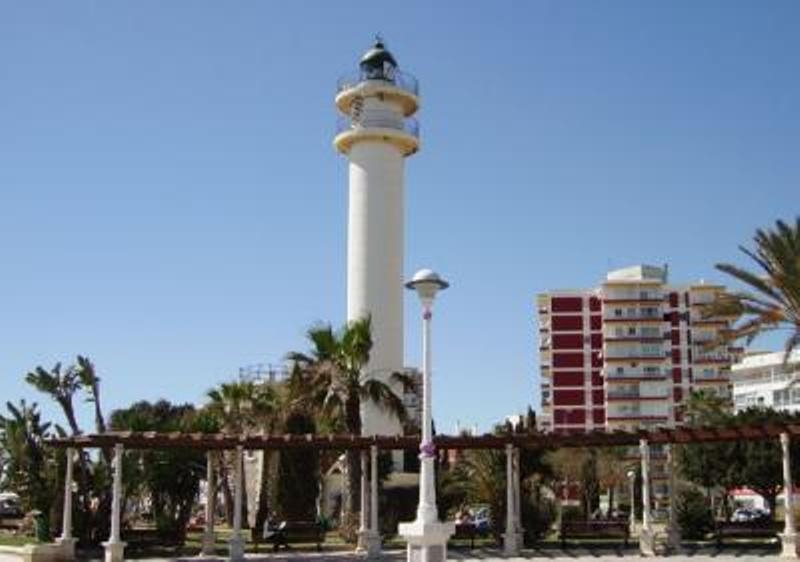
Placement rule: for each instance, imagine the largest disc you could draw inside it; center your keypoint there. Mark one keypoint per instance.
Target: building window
(618, 312)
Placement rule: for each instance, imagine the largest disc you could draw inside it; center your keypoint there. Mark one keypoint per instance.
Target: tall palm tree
(61, 387)
(773, 302)
(91, 384)
(333, 380)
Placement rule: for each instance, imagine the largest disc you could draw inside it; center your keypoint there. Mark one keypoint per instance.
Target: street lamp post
(427, 536)
(632, 517)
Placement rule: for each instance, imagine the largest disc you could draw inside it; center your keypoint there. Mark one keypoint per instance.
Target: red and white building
(626, 354)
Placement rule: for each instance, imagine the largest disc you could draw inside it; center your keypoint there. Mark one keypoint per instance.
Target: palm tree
(61, 387)
(239, 407)
(31, 468)
(333, 380)
(774, 303)
(91, 383)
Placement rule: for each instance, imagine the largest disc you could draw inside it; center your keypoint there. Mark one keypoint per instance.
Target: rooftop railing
(398, 79)
(408, 125)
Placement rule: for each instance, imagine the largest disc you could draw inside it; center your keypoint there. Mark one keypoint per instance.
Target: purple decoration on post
(427, 315)
(427, 450)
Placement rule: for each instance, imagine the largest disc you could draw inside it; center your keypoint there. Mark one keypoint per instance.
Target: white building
(762, 379)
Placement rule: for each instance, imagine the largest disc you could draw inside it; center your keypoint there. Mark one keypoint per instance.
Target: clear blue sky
(172, 205)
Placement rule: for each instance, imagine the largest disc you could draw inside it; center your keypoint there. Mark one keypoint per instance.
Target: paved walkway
(729, 554)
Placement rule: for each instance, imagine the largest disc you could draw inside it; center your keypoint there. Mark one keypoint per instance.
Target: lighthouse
(376, 132)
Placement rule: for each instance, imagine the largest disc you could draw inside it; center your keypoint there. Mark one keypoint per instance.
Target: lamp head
(427, 283)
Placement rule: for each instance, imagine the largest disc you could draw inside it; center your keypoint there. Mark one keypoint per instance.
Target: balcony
(634, 395)
(637, 355)
(701, 358)
(613, 376)
(402, 132)
(640, 315)
(398, 79)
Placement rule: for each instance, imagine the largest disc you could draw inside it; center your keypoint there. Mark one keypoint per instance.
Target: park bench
(293, 532)
(594, 530)
(11, 523)
(746, 530)
(466, 531)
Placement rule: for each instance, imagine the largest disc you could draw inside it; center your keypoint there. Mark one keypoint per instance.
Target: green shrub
(694, 516)
(537, 519)
(572, 513)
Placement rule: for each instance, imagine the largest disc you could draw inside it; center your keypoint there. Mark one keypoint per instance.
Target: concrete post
(237, 541)
(646, 535)
(65, 540)
(374, 542)
(511, 536)
(789, 540)
(363, 530)
(114, 547)
(209, 538)
(673, 529)
(518, 494)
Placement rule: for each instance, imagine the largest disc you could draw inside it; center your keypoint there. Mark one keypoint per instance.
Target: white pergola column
(363, 530)
(789, 536)
(646, 536)
(65, 540)
(673, 529)
(511, 541)
(114, 547)
(517, 494)
(236, 552)
(209, 538)
(374, 540)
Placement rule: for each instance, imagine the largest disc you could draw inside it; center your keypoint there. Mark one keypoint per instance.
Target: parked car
(482, 520)
(746, 515)
(10, 508)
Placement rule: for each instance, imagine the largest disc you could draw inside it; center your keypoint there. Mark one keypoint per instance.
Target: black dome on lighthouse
(377, 58)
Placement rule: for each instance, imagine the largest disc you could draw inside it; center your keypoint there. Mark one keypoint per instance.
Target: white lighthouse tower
(377, 132)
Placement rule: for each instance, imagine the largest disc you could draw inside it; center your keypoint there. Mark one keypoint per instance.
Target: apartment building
(626, 354)
(766, 381)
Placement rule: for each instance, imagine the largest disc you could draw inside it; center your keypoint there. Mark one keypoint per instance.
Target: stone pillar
(374, 541)
(517, 494)
(511, 541)
(65, 540)
(363, 529)
(646, 535)
(789, 540)
(209, 538)
(673, 529)
(114, 547)
(237, 541)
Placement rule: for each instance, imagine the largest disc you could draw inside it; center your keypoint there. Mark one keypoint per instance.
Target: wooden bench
(746, 530)
(11, 523)
(594, 530)
(297, 532)
(466, 531)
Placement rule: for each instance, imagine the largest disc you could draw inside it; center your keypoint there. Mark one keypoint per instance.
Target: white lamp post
(427, 536)
(632, 517)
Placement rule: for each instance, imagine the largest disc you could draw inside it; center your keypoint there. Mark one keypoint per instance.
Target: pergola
(369, 446)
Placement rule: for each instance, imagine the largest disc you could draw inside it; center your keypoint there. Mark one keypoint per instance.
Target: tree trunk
(610, 501)
(352, 498)
(225, 485)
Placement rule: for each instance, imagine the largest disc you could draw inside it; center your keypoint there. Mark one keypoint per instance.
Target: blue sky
(171, 204)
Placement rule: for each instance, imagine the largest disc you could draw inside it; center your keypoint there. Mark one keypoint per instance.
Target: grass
(7, 539)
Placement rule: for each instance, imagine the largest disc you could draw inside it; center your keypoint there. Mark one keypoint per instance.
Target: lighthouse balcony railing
(396, 78)
(408, 125)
